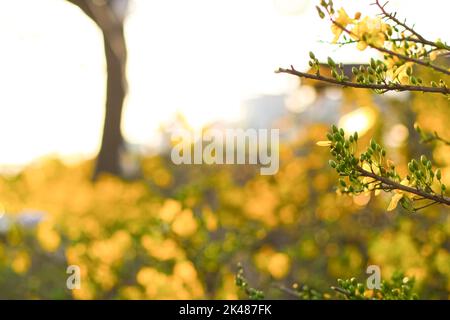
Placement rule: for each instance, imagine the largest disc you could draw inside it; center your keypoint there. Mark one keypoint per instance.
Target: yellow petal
(326, 143)
(361, 45)
(343, 19)
(389, 163)
(405, 182)
(394, 201)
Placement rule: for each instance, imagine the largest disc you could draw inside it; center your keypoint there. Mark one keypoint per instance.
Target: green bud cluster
(351, 288)
(374, 73)
(348, 165)
(398, 288)
(242, 283)
(304, 292)
(313, 62)
(325, 5)
(337, 70)
(366, 171)
(422, 175)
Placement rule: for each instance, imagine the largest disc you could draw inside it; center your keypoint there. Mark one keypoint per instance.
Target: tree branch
(390, 52)
(398, 186)
(392, 17)
(437, 137)
(341, 291)
(384, 87)
(407, 58)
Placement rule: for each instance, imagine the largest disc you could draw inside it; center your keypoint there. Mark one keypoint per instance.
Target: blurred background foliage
(179, 232)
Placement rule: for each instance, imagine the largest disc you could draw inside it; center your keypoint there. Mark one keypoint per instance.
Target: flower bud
(331, 63)
(438, 174)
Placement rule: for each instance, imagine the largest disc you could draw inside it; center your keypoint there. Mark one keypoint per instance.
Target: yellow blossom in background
(21, 262)
(279, 265)
(185, 224)
(185, 270)
(86, 292)
(145, 275)
(131, 293)
(48, 238)
(276, 263)
(75, 253)
(210, 219)
(169, 209)
(161, 249)
(183, 284)
(228, 290)
(112, 250)
(261, 203)
(104, 276)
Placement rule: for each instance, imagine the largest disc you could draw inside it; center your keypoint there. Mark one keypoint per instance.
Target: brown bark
(108, 159)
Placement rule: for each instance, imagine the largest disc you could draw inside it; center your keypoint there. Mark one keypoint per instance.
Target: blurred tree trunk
(109, 17)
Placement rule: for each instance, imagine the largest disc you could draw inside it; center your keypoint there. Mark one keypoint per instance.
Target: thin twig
(340, 290)
(393, 53)
(425, 206)
(388, 87)
(434, 137)
(395, 185)
(392, 17)
(288, 291)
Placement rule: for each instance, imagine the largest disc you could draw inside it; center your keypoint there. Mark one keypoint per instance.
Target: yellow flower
(370, 32)
(394, 201)
(185, 224)
(341, 22)
(400, 73)
(371, 182)
(399, 194)
(279, 265)
(48, 237)
(21, 262)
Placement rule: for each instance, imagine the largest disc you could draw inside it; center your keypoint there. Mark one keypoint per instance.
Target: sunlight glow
(359, 120)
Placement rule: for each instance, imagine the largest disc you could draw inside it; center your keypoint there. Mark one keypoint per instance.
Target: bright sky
(202, 58)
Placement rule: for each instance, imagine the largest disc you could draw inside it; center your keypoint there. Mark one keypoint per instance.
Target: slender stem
(385, 87)
(390, 52)
(425, 206)
(395, 185)
(288, 291)
(393, 53)
(436, 137)
(392, 17)
(407, 58)
(340, 290)
(391, 40)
